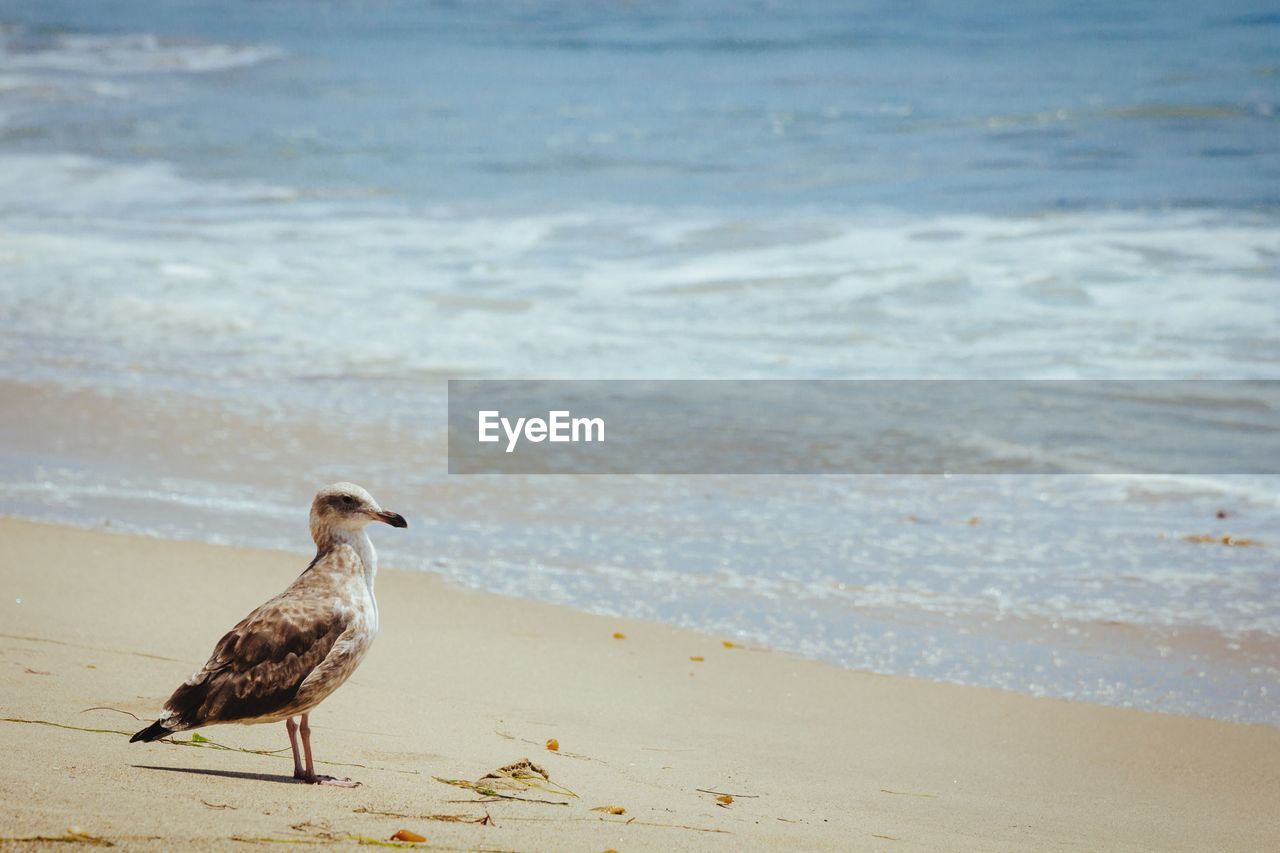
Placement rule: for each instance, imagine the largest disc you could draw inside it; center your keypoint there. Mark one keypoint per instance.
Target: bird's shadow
(227, 774)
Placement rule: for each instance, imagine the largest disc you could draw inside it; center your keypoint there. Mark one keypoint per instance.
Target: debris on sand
(407, 835)
(1233, 541)
(519, 777)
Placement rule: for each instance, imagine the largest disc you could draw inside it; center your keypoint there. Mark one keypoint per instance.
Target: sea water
(242, 245)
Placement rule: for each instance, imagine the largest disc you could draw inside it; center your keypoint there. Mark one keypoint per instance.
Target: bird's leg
(306, 746)
(311, 776)
(293, 742)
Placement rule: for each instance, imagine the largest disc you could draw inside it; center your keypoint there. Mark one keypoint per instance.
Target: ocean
(244, 245)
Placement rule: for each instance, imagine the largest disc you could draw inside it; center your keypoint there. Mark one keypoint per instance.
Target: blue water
(243, 244)
(991, 107)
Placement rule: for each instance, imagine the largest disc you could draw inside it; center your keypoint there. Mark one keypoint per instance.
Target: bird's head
(347, 507)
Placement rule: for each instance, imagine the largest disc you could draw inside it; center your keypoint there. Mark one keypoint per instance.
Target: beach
(99, 627)
(251, 249)
(244, 255)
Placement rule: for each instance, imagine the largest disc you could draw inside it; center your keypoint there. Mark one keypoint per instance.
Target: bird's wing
(337, 666)
(257, 668)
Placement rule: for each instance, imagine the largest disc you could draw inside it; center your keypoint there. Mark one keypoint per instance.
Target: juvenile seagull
(286, 657)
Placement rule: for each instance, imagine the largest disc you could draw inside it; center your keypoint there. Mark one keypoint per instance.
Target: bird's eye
(347, 499)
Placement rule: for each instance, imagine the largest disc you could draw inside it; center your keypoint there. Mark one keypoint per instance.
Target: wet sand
(96, 626)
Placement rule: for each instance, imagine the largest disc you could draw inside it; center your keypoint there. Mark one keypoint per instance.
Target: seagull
(286, 657)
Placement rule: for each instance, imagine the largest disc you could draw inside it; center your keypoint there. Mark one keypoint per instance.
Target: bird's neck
(327, 539)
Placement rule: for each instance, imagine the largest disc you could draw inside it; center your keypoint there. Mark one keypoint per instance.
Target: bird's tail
(155, 731)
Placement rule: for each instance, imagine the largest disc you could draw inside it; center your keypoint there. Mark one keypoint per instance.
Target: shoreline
(1192, 643)
(1074, 587)
(1203, 643)
(462, 682)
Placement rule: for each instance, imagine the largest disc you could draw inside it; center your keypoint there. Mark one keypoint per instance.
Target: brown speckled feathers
(259, 668)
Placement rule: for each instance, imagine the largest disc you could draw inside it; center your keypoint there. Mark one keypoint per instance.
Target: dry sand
(460, 683)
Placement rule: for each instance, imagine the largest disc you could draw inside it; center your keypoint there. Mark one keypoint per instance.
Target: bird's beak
(395, 519)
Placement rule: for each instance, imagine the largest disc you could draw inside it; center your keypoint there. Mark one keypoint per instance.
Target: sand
(461, 682)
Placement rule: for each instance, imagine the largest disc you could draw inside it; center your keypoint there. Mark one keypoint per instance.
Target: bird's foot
(330, 780)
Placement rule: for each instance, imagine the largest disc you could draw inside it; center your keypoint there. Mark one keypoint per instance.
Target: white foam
(138, 53)
(38, 187)
(585, 293)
